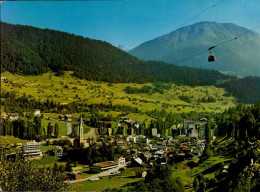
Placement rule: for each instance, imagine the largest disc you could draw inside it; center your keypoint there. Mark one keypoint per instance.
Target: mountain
(28, 50)
(240, 57)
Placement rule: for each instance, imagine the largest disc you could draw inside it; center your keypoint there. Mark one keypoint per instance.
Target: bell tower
(81, 130)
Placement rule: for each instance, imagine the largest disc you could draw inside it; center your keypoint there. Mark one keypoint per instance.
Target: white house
(120, 160)
(131, 138)
(13, 116)
(37, 112)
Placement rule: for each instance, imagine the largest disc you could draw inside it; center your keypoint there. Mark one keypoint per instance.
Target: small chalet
(68, 117)
(141, 173)
(4, 79)
(62, 117)
(75, 175)
(13, 116)
(121, 143)
(119, 160)
(37, 112)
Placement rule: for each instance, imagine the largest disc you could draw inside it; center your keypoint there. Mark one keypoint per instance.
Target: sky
(129, 23)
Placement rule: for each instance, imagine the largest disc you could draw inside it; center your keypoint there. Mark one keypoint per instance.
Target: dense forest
(32, 51)
(241, 122)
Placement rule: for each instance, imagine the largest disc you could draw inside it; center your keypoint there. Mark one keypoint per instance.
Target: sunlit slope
(67, 89)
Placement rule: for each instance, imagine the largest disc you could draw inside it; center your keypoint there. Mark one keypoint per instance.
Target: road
(68, 128)
(102, 174)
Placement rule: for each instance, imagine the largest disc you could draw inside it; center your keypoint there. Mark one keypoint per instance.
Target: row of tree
(26, 128)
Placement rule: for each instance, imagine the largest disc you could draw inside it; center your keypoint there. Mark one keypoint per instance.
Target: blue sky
(129, 23)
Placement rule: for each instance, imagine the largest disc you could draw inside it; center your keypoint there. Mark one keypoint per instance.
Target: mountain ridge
(192, 39)
(32, 51)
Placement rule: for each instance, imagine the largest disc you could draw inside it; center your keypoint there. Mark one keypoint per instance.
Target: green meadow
(67, 89)
(101, 184)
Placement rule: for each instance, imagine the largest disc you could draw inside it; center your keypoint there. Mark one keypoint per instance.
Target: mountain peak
(240, 57)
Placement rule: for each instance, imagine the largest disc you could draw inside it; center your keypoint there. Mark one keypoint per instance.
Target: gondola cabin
(211, 58)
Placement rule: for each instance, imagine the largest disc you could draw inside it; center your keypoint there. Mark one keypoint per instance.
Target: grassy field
(62, 125)
(11, 140)
(48, 160)
(67, 89)
(101, 184)
(188, 174)
(46, 148)
(85, 172)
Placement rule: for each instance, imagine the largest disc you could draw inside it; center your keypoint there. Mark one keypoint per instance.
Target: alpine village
(79, 114)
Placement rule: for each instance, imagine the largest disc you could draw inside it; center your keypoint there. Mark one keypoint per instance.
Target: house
(32, 149)
(75, 175)
(13, 116)
(162, 147)
(225, 169)
(121, 143)
(62, 117)
(58, 151)
(37, 112)
(159, 153)
(172, 153)
(131, 138)
(191, 128)
(141, 173)
(137, 161)
(4, 79)
(119, 160)
(141, 139)
(103, 166)
(19, 144)
(68, 117)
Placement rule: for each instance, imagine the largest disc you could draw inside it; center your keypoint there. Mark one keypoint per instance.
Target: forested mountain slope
(31, 51)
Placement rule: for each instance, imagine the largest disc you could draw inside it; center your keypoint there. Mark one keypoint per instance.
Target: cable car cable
(200, 13)
(199, 53)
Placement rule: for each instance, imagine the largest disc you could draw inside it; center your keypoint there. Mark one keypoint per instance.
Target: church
(80, 140)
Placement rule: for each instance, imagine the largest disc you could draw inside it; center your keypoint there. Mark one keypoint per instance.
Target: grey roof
(138, 160)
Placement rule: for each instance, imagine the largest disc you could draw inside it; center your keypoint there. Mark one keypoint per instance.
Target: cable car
(211, 57)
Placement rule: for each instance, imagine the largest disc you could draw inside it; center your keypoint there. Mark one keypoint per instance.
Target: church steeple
(81, 130)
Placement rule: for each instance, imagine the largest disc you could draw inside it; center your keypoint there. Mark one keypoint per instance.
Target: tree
(56, 130)
(49, 130)
(55, 167)
(21, 174)
(196, 183)
(208, 132)
(48, 143)
(68, 166)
